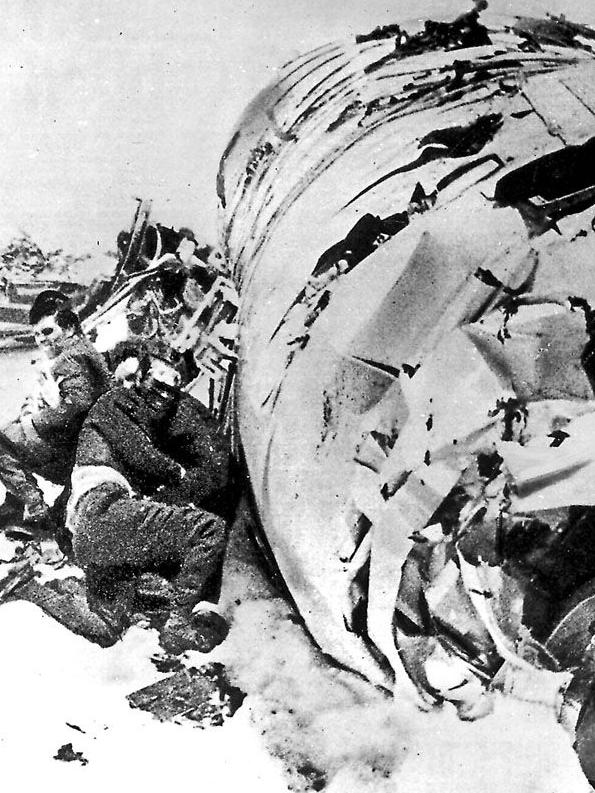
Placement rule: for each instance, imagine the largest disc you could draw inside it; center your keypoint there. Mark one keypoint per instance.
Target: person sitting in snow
(150, 500)
(42, 439)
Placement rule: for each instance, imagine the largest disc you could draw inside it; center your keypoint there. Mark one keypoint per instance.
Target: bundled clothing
(151, 487)
(43, 438)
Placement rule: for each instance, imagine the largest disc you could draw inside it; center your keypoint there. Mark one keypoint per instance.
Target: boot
(153, 600)
(153, 591)
(201, 629)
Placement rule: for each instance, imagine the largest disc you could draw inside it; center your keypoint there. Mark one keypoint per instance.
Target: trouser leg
(142, 534)
(18, 480)
(203, 557)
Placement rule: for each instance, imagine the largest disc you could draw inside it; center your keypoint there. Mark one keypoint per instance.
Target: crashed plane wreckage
(408, 244)
(409, 222)
(175, 297)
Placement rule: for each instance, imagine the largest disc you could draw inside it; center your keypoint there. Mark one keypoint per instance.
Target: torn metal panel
(454, 142)
(536, 352)
(439, 277)
(558, 271)
(553, 176)
(578, 82)
(556, 30)
(463, 32)
(377, 404)
(547, 476)
(564, 113)
(459, 413)
(409, 509)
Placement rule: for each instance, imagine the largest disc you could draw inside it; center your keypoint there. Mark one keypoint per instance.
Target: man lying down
(151, 494)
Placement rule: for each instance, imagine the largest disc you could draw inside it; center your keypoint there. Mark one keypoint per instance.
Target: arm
(123, 422)
(192, 439)
(143, 462)
(192, 434)
(67, 396)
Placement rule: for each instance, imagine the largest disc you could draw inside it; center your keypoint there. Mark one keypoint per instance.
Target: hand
(182, 472)
(50, 391)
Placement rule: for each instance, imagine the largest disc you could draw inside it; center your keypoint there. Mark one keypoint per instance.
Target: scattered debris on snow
(67, 754)
(202, 695)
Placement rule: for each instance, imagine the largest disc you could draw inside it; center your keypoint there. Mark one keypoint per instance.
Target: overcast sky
(104, 100)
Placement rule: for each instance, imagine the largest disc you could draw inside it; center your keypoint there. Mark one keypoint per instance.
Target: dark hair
(68, 319)
(187, 233)
(130, 349)
(52, 303)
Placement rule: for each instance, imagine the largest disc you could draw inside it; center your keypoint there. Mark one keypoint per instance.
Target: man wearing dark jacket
(42, 439)
(151, 471)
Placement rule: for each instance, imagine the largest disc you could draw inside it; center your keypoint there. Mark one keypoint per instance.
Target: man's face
(47, 334)
(164, 373)
(126, 372)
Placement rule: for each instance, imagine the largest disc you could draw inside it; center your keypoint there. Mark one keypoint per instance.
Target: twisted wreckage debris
(465, 31)
(169, 291)
(202, 695)
(431, 366)
(67, 754)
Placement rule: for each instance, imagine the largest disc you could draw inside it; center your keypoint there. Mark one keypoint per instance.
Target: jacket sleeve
(128, 432)
(192, 439)
(142, 461)
(76, 394)
(192, 436)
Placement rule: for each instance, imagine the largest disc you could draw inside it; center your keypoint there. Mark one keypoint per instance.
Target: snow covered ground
(58, 689)
(305, 725)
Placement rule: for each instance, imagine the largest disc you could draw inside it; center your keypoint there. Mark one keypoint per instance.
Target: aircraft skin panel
(565, 115)
(332, 363)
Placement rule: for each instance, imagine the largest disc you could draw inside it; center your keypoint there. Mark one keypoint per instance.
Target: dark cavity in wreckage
(408, 220)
